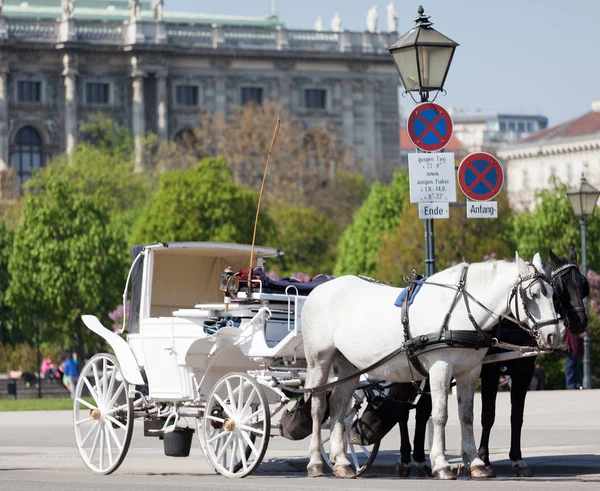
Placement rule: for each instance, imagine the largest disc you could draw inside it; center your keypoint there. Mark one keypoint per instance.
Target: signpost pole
(428, 224)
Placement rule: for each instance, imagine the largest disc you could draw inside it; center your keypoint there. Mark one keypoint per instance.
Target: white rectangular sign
(434, 210)
(482, 209)
(432, 177)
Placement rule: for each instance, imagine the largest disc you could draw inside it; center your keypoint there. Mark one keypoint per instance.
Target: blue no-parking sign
(429, 127)
(480, 176)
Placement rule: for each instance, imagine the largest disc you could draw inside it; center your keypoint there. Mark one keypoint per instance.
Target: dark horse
(570, 287)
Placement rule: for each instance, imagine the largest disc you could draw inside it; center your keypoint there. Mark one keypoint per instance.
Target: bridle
(534, 327)
(556, 280)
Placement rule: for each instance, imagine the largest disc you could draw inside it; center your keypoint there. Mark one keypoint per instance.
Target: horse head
(570, 288)
(533, 303)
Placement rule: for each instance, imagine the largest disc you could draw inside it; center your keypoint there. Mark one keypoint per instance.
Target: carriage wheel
(236, 425)
(102, 414)
(361, 456)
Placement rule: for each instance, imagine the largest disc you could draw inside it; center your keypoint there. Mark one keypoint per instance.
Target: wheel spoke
(97, 389)
(94, 426)
(104, 373)
(224, 446)
(230, 395)
(242, 452)
(108, 445)
(84, 402)
(102, 438)
(240, 403)
(233, 452)
(250, 443)
(117, 422)
(95, 442)
(116, 395)
(252, 430)
(224, 406)
(219, 435)
(92, 392)
(114, 409)
(112, 433)
(111, 384)
(249, 401)
(254, 414)
(215, 418)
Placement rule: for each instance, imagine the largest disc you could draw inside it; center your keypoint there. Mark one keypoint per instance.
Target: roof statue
(1, 5)
(157, 7)
(68, 9)
(319, 24)
(372, 19)
(392, 17)
(136, 10)
(336, 23)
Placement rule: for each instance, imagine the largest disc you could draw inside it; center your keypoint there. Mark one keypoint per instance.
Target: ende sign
(432, 177)
(485, 209)
(434, 210)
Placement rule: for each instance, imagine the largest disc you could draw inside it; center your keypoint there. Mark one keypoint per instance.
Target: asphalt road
(561, 440)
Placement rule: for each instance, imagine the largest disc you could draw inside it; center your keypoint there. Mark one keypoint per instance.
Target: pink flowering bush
(117, 316)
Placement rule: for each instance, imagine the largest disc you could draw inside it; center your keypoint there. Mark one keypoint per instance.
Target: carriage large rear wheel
(236, 425)
(360, 456)
(102, 414)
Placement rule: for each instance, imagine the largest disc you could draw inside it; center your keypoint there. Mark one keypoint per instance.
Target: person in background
(574, 357)
(71, 370)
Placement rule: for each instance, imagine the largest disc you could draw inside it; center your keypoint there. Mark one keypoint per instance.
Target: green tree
(457, 239)
(6, 243)
(380, 213)
(67, 261)
(104, 134)
(202, 204)
(305, 236)
(552, 224)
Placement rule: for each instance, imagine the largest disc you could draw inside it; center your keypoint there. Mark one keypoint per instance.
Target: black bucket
(177, 443)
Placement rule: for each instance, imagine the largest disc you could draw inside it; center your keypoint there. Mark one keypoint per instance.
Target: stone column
(347, 115)
(162, 104)
(4, 162)
(70, 73)
(220, 95)
(370, 130)
(138, 122)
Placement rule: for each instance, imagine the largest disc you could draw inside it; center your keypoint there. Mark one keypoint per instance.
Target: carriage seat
(279, 286)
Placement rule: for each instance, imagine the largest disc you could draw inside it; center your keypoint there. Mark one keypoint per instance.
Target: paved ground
(561, 440)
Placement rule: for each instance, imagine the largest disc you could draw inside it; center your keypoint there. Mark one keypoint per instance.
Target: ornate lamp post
(37, 323)
(583, 202)
(423, 57)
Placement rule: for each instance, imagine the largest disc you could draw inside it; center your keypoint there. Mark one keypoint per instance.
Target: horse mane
(482, 273)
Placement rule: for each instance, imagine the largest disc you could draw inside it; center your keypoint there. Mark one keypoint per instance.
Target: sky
(531, 56)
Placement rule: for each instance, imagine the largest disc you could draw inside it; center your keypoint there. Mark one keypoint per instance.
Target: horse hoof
(445, 474)
(402, 469)
(422, 469)
(523, 472)
(490, 468)
(316, 470)
(480, 472)
(344, 471)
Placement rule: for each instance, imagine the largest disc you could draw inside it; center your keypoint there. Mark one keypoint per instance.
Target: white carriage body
(178, 291)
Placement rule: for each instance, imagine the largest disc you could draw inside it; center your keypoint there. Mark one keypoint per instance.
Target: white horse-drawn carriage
(205, 344)
(192, 352)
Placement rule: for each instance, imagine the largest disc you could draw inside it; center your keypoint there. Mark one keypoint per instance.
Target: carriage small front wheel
(102, 414)
(236, 425)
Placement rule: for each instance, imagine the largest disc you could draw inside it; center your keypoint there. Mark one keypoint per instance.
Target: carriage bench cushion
(400, 299)
(279, 286)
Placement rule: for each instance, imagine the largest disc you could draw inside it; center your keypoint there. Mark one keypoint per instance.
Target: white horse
(351, 324)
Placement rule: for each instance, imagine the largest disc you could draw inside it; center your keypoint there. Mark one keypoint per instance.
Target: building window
(29, 91)
(503, 126)
(252, 94)
(97, 93)
(530, 126)
(27, 153)
(315, 98)
(186, 95)
(521, 127)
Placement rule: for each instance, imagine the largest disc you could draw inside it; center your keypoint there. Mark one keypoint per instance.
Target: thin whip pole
(262, 186)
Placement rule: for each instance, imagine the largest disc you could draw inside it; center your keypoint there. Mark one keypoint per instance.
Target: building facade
(155, 70)
(565, 151)
(480, 131)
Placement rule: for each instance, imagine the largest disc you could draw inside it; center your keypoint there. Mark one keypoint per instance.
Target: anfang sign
(434, 210)
(482, 209)
(432, 177)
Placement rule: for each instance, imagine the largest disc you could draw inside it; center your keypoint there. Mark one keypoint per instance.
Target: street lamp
(583, 202)
(423, 57)
(37, 323)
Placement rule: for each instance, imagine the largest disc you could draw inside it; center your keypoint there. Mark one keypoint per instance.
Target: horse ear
(523, 269)
(572, 257)
(553, 258)
(537, 262)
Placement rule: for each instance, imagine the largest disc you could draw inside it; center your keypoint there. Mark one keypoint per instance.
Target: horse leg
(490, 375)
(521, 374)
(465, 387)
(422, 415)
(440, 375)
(338, 403)
(317, 374)
(403, 464)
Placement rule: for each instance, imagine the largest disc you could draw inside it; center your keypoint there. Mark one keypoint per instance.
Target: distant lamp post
(37, 323)
(423, 57)
(583, 202)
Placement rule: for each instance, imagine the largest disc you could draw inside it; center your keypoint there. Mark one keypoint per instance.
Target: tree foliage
(202, 204)
(552, 224)
(6, 243)
(380, 213)
(67, 261)
(456, 239)
(103, 133)
(305, 236)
